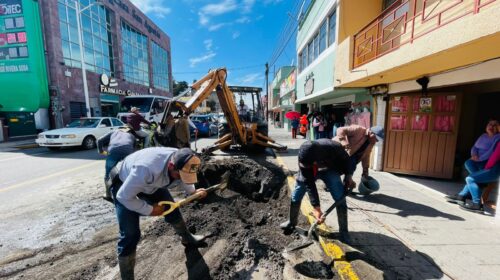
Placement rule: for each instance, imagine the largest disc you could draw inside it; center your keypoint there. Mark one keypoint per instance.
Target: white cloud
(251, 78)
(155, 7)
(236, 35)
(195, 60)
(210, 10)
(217, 26)
(208, 44)
(247, 6)
(244, 19)
(267, 2)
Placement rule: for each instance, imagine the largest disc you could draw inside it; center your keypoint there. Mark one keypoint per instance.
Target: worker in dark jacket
(134, 120)
(326, 160)
(120, 144)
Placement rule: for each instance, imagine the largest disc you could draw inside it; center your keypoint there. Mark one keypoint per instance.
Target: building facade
(279, 106)
(124, 53)
(317, 55)
(433, 67)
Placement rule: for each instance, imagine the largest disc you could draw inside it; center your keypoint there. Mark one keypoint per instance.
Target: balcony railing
(407, 20)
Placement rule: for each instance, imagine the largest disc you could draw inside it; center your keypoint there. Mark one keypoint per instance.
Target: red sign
(3, 39)
(11, 38)
(21, 37)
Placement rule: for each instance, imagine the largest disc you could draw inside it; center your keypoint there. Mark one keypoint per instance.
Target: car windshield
(84, 123)
(199, 119)
(143, 103)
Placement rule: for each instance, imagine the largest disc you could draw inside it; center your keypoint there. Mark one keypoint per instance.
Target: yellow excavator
(245, 132)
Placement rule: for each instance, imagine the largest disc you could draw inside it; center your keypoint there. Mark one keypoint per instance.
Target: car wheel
(88, 143)
(54, 148)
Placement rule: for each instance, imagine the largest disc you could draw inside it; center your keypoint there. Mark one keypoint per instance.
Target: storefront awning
(109, 98)
(330, 93)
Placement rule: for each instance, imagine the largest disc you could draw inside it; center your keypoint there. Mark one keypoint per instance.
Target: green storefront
(23, 74)
(316, 44)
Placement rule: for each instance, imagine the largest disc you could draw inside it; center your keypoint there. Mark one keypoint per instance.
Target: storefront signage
(109, 84)
(136, 16)
(11, 7)
(14, 68)
(309, 84)
(288, 84)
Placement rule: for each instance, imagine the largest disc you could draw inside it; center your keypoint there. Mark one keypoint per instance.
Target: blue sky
(240, 35)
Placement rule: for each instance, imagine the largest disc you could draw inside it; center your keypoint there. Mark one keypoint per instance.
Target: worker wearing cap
(358, 141)
(242, 110)
(326, 160)
(134, 120)
(144, 177)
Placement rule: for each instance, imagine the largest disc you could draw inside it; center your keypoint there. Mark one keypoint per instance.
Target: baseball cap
(187, 163)
(378, 131)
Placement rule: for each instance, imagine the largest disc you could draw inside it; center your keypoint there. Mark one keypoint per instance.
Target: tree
(180, 87)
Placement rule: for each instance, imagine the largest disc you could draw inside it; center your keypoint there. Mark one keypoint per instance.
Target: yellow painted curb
(343, 267)
(27, 146)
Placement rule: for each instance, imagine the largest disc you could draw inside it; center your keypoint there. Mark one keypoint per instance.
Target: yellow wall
(356, 14)
(471, 39)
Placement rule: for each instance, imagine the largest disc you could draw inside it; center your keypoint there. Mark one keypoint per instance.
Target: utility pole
(267, 92)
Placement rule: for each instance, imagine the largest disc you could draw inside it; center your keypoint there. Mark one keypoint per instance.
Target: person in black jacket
(326, 160)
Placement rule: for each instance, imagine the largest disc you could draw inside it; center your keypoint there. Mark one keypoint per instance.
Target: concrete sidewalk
(14, 145)
(408, 231)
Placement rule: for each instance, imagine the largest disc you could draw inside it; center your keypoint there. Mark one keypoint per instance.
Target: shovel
(176, 204)
(309, 240)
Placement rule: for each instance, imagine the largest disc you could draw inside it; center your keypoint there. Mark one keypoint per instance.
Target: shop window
(420, 122)
(116, 122)
(400, 104)
(444, 123)
(398, 122)
(446, 103)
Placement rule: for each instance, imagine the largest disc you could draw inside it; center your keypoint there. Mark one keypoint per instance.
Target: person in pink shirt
(490, 173)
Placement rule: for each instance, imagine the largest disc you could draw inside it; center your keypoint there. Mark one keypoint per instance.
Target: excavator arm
(241, 133)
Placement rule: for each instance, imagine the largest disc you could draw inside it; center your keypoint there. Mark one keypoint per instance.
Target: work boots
(126, 265)
(187, 238)
(342, 220)
(293, 217)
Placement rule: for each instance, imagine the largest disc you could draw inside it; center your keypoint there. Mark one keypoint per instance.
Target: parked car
(82, 132)
(205, 125)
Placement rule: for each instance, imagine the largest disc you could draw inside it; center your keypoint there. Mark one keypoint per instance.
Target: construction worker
(134, 120)
(139, 183)
(326, 160)
(120, 143)
(242, 110)
(358, 141)
(182, 131)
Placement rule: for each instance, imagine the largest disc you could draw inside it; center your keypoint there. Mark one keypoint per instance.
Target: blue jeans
(112, 159)
(474, 166)
(128, 221)
(330, 178)
(483, 176)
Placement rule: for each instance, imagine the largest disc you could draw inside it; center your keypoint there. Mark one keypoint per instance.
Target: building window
(160, 67)
(332, 24)
(96, 39)
(310, 49)
(322, 37)
(135, 55)
(316, 46)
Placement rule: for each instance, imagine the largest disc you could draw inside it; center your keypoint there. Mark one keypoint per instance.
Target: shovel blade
(295, 246)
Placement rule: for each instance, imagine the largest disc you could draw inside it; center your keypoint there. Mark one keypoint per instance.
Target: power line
(287, 33)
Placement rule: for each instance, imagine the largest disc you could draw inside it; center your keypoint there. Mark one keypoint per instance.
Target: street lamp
(79, 11)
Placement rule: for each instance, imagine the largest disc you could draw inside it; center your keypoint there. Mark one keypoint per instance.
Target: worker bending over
(139, 184)
(326, 160)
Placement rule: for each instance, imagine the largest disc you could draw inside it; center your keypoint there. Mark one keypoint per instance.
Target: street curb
(28, 146)
(332, 250)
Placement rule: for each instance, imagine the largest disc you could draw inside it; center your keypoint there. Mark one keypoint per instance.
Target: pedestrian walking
(295, 125)
(134, 120)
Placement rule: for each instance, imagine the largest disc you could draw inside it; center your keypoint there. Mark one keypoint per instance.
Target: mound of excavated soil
(246, 223)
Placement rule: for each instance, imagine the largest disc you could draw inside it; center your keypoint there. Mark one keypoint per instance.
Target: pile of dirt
(245, 219)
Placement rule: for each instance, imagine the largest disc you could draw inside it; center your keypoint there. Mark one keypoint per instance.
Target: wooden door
(422, 134)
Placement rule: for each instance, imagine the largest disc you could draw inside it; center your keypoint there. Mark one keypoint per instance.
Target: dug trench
(242, 222)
